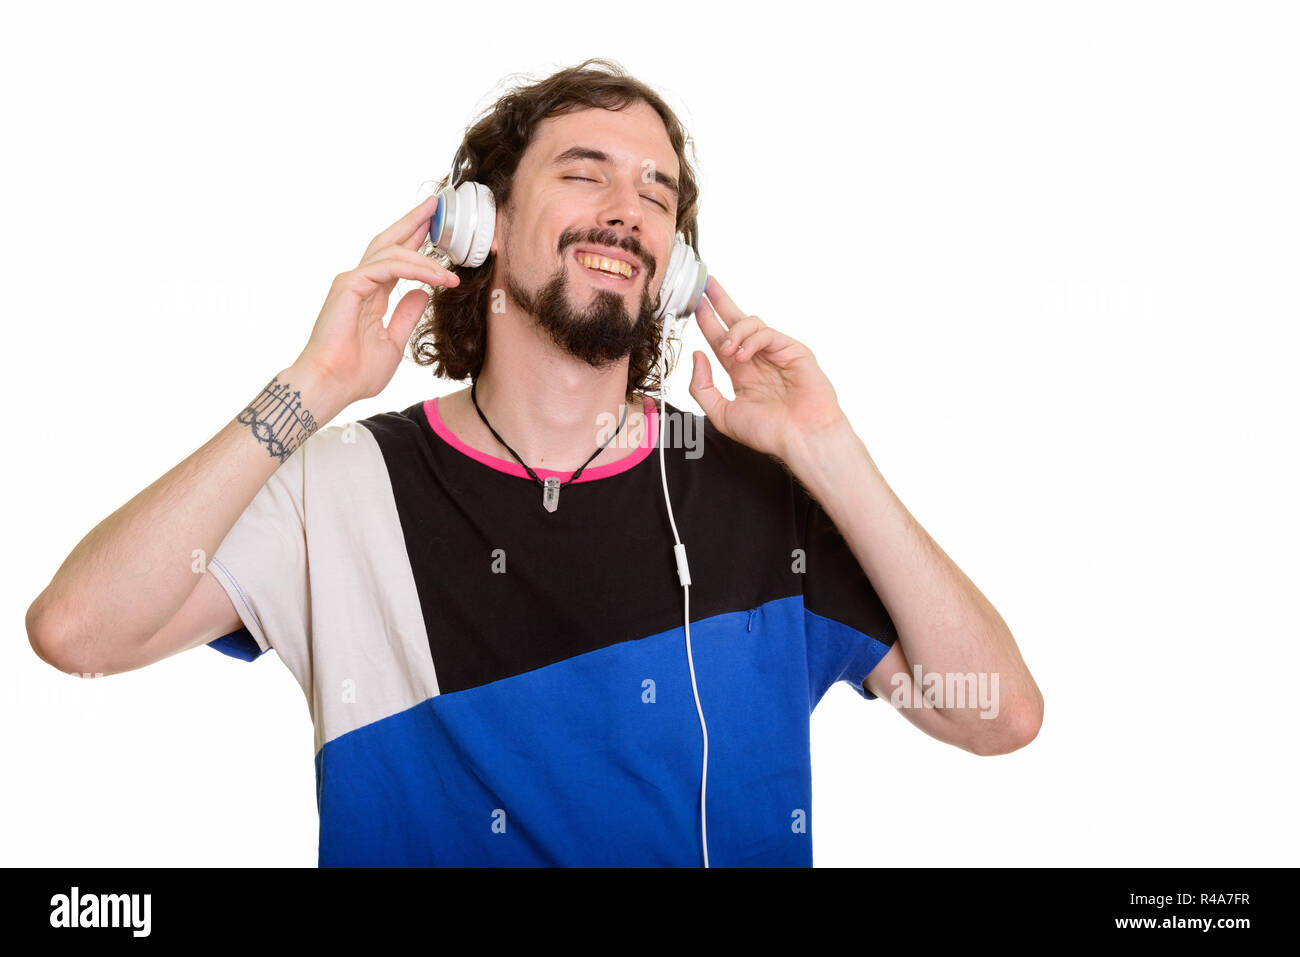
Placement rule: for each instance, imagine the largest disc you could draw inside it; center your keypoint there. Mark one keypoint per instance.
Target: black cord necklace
(551, 487)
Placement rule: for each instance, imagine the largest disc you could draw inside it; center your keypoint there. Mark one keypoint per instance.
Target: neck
(552, 409)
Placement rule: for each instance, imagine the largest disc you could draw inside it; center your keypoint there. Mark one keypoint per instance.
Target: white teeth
(606, 265)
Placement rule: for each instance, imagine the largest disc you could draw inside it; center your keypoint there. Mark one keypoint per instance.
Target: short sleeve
(262, 565)
(848, 628)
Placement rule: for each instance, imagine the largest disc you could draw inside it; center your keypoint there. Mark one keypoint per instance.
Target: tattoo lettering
(278, 419)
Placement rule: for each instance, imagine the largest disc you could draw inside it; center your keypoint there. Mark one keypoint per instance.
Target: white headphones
(465, 220)
(462, 227)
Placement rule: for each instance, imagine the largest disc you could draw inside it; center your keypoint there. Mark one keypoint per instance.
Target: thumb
(703, 391)
(407, 314)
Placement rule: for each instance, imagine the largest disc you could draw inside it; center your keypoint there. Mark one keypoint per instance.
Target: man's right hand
(349, 346)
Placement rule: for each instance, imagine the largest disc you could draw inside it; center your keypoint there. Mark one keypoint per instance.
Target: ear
(499, 225)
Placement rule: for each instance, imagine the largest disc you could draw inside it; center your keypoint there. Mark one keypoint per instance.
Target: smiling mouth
(616, 269)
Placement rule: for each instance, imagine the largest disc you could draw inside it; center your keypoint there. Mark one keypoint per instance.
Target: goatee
(599, 334)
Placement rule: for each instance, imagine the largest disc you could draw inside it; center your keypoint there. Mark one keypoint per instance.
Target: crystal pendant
(551, 493)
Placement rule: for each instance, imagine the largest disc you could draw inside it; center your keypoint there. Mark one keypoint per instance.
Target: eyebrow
(586, 152)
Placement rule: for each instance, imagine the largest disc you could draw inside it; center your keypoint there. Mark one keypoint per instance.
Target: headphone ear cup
(485, 224)
(684, 282)
(463, 224)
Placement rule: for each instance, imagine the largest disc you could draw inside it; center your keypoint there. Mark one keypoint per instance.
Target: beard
(600, 333)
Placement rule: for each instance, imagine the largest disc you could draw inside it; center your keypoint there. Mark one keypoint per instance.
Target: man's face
(569, 203)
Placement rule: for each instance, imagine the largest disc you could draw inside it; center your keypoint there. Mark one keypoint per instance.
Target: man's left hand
(783, 399)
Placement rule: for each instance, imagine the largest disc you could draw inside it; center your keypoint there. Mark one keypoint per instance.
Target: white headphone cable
(684, 576)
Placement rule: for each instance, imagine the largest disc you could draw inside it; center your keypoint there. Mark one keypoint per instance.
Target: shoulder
(347, 445)
(408, 424)
(725, 463)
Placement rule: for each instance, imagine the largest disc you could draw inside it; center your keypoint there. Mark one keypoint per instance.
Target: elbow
(1013, 730)
(46, 634)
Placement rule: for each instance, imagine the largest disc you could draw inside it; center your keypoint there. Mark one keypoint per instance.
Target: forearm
(131, 573)
(945, 624)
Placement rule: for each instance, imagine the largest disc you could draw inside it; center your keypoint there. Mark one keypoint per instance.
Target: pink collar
(511, 467)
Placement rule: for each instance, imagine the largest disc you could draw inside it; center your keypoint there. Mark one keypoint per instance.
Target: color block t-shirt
(492, 683)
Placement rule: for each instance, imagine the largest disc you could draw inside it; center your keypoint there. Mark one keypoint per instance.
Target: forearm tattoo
(278, 419)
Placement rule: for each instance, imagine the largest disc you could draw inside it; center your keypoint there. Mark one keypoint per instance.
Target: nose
(622, 207)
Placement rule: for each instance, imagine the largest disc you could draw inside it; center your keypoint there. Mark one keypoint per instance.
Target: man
(495, 682)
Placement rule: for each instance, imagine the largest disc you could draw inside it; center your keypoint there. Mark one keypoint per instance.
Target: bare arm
(128, 577)
(945, 624)
(122, 598)
(786, 406)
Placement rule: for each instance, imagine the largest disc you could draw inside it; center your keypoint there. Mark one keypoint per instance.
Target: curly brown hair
(452, 334)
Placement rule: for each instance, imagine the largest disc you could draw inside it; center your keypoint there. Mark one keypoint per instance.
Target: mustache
(607, 237)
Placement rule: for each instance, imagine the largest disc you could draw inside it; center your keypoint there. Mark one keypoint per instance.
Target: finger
(702, 389)
(384, 274)
(710, 325)
(756, 343)
(409, 231)
(408, 312)
(727, 310)
(441, 276)
(409, 256)
(738, 333)
(412, 265)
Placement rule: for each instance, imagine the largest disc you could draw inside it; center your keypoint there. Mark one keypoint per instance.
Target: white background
(1047, 254)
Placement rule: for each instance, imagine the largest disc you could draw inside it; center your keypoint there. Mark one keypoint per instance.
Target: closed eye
(587, 179)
